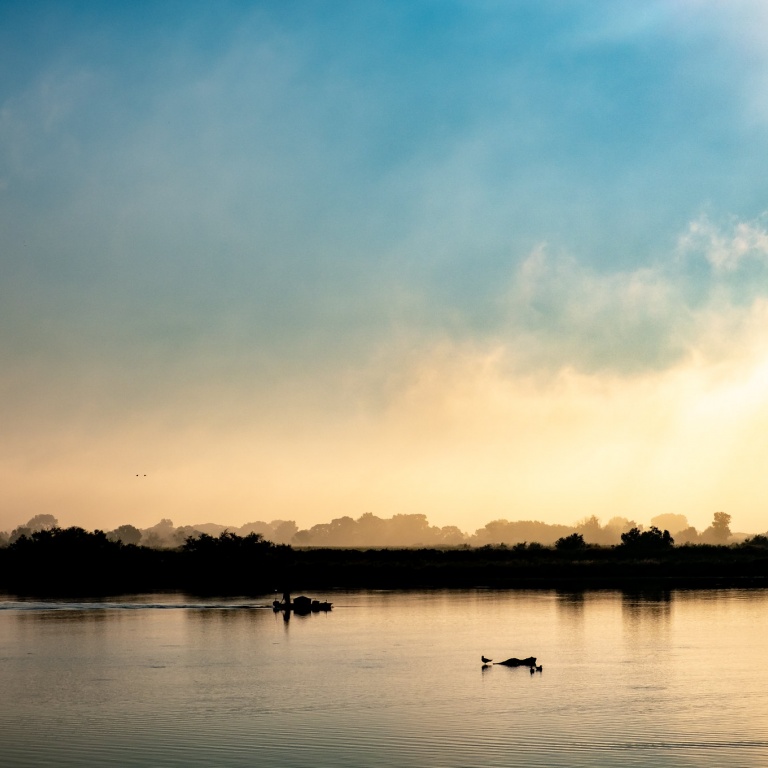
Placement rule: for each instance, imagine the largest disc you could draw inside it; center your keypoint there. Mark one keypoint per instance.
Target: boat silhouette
(301, 604)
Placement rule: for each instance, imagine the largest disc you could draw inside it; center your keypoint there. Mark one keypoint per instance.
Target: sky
(300, 260)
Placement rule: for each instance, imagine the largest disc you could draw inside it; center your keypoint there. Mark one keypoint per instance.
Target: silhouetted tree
(278, 531)
(127, 534)
(621, 524)
(230, 560)
(282, 531)
(164, 535)
(505, 532)
(42, 523)
(37, 523)
(56, 558)
(450, 535)
(720, 530)
(257, 526)
(409, 530)
(74, 561)
(590, 529)
(370, 531)
(672, 522)
(687, 536)
(20, 532)
(651, 540)
(570, 543)
(373, 530)
(614, 528)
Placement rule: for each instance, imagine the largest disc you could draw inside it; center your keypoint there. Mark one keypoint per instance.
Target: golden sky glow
(457, 437)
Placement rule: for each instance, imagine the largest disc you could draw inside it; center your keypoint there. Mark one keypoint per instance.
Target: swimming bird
(540, 668)
(486, 661)
(532, 670)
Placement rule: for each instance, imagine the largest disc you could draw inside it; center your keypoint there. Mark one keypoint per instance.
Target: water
(387, 679)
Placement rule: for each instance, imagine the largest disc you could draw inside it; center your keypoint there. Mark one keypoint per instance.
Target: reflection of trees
(570, 603)
(648, 609)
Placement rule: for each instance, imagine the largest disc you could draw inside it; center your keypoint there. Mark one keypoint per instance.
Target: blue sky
(239, 242)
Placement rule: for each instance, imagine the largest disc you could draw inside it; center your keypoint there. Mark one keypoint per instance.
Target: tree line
(405, 530)
(72, 560)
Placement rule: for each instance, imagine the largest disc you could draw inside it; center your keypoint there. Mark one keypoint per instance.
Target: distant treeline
(370, 531)
(74, 561)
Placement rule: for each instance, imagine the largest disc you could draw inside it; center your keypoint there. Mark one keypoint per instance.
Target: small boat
(302, 604)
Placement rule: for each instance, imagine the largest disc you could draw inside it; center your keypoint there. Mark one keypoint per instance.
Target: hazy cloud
(727, 247)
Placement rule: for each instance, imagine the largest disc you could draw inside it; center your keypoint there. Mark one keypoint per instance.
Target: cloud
(727, 247)
(546, 417)
(563, 313)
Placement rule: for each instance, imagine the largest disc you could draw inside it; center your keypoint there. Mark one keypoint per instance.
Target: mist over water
(387, 679)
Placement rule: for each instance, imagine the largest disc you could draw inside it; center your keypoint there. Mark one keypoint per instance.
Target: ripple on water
(225, 683)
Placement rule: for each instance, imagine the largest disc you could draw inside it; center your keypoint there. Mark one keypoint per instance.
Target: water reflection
(651, 609)
(570, 602)
(647, 601)
(69, 616)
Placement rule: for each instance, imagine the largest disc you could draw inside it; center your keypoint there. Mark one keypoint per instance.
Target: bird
(486, 661)
(532, 670)
(540, 668)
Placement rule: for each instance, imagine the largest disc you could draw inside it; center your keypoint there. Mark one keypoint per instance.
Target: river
(387, 679)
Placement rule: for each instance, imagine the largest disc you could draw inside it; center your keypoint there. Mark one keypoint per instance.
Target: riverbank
(73, 561)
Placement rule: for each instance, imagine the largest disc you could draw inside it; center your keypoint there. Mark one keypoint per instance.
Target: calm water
(388, 679)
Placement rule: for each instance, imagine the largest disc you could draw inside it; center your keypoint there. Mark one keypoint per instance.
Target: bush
(569, 543)
(652, 540)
